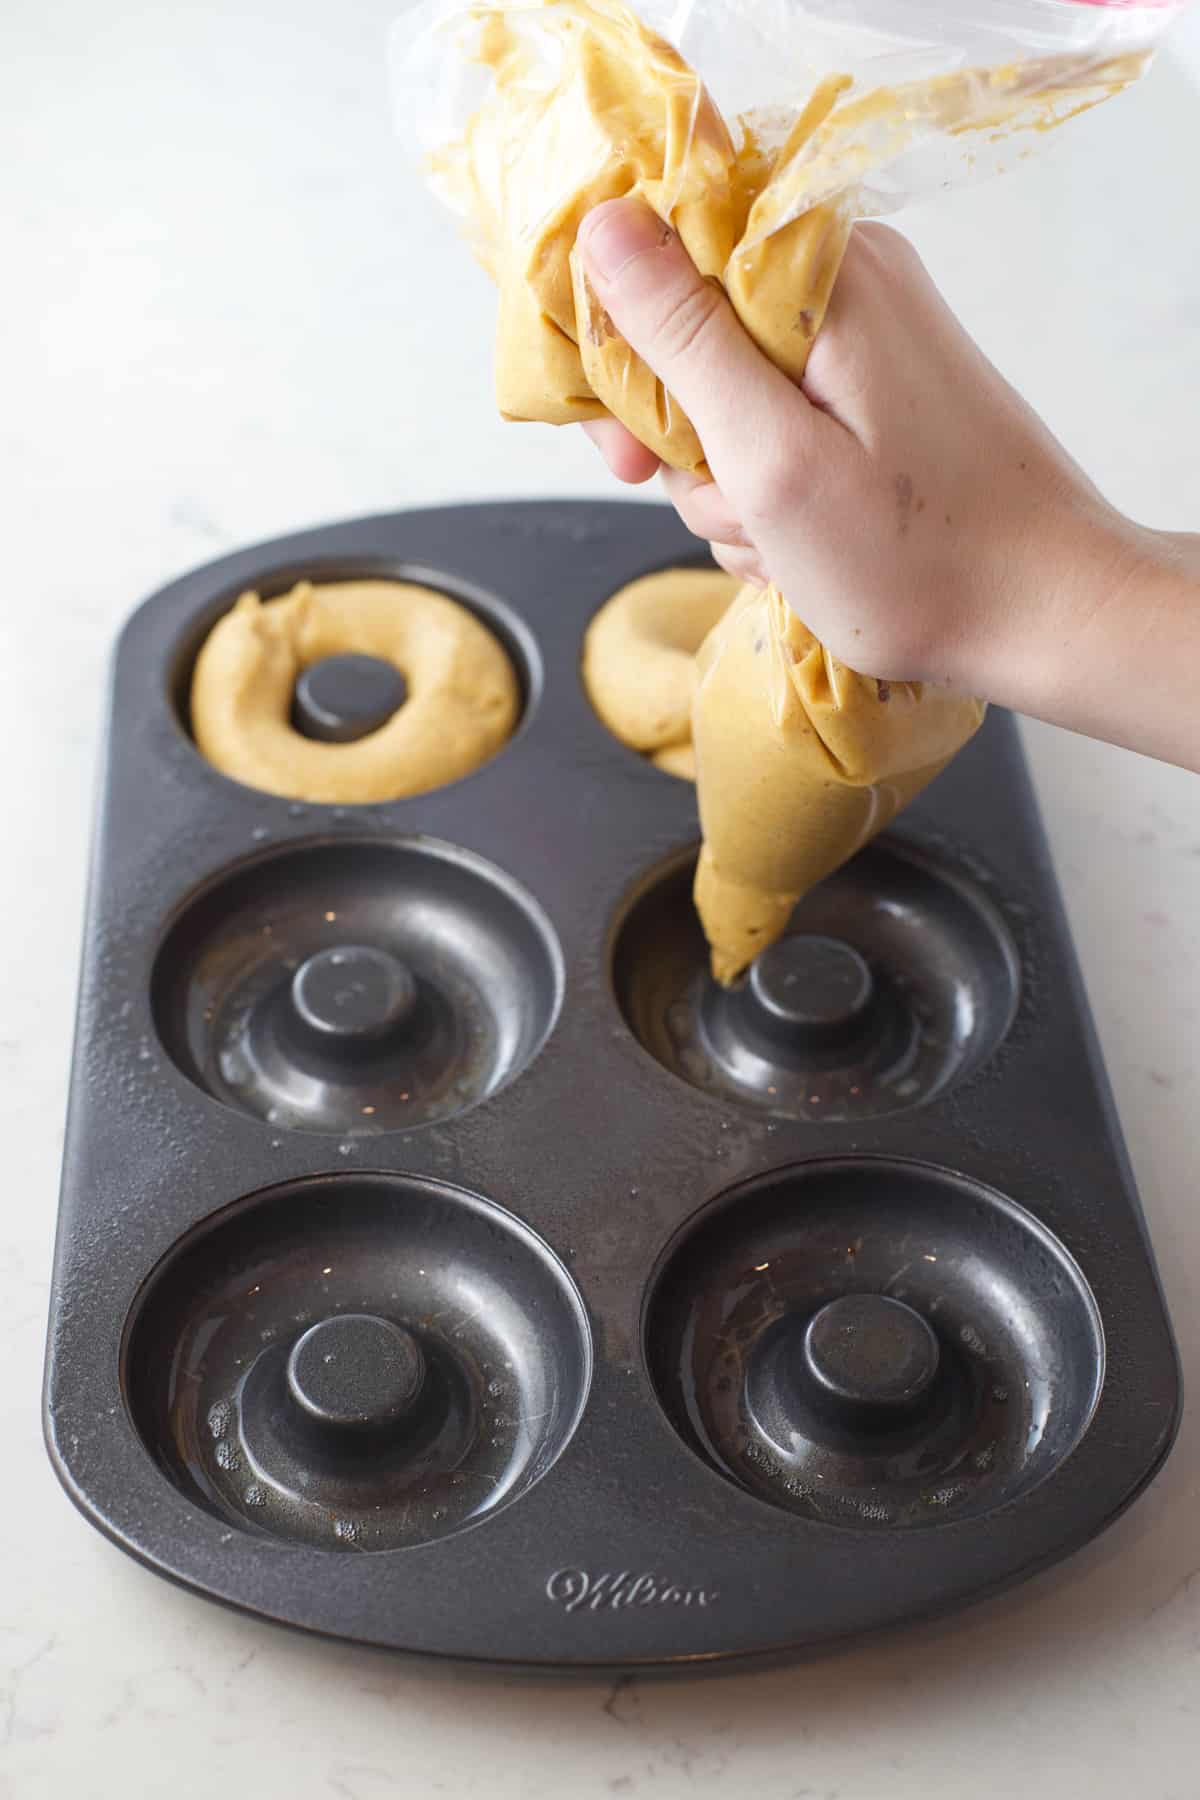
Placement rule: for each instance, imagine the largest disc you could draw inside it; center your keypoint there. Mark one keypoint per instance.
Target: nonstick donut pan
(445, 1264)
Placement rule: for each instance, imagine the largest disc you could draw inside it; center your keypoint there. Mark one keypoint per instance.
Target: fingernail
(613, 234)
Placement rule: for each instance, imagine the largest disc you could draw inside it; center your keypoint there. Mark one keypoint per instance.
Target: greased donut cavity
(462, 703)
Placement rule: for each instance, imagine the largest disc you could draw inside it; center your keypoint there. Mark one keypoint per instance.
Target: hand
(914, 511)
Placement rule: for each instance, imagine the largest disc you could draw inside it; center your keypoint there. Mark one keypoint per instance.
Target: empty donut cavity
(357, 987)
(357, 1363)
(875, 1343)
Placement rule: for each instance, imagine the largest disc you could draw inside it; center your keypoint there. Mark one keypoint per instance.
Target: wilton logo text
(577, 1590)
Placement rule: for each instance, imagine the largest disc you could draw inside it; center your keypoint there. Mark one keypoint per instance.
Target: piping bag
(531, 112)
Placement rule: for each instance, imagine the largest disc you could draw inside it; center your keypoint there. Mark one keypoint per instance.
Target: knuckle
(715, 518)
(884, 238)
(687, 322)
(680, 485)
(694, 524)
(744, 564)
(838, 372)
(773, 491)
(889, 246)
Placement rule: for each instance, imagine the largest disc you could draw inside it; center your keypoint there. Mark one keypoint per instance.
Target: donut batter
(799, 760)
(463, 699)
(612, 110)
(639, 660)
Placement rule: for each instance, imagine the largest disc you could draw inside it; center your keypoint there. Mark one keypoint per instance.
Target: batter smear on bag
(800, 760)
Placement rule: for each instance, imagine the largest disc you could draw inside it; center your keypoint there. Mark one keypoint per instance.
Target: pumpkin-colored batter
(799, 760)
(463, 698)
(639, 660)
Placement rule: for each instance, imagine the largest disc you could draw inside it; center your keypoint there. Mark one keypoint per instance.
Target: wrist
(1045, 634)
(1103, 639)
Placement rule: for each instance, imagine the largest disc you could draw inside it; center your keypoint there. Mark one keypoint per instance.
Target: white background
(228, 310)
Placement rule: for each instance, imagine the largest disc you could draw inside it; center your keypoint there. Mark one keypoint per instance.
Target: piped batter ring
(352, 692)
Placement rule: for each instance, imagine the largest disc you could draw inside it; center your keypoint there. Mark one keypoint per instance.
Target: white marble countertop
(217, 327)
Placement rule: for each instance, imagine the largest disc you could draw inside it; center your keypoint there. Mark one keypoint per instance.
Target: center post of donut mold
(343, 698)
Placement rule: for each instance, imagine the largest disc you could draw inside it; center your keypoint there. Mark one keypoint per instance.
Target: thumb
(684, 328)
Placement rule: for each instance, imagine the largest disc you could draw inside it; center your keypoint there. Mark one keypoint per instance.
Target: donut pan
(445, 1265)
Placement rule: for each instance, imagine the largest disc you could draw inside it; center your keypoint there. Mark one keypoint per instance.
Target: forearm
(1108, 642)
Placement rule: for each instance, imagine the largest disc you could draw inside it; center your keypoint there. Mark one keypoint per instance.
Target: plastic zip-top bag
(759, 132)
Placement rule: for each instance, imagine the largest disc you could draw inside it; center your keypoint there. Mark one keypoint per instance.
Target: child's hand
(914, 511)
